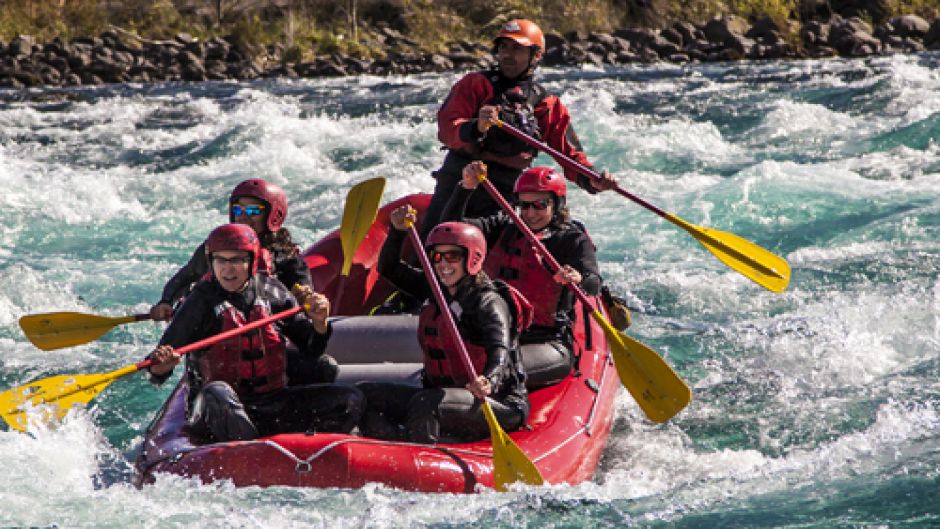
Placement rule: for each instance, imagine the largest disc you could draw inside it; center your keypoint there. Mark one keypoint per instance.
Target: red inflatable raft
(568, 426)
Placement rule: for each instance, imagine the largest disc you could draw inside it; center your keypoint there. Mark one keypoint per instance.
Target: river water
(815, 408)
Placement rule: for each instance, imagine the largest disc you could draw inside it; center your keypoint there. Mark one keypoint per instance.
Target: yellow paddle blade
(510, 464)
(55, 330)
(658, 390)
(750, 260)
(362, 204)
(55, 395)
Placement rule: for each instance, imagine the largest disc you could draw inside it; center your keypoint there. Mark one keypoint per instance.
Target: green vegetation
(314, 27)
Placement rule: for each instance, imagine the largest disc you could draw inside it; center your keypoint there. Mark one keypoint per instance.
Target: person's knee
(327, 369)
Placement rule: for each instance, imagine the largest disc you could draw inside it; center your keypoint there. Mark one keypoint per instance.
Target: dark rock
(764, 30)
(814, 10)
(216, 70)
(814, 34)
(673, 36)
(188, 57)
(688, 31)
(852, 37)
(627, 57)
(284, 70)
(932, 38)
(59, 63)
(575, 36)
(663, 47)
(21, 46)
(740, 45)
(720, 30)
(876, 10)
(607, 41)
(637, 37)
(193, 71)
(196, 48)
(11, 82)
(910, 26)
(89, 78)
(555, 55)
(217, 49)
(552, 40)
(50, 76)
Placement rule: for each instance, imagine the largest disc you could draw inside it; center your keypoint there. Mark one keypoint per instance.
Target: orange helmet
(524, 32)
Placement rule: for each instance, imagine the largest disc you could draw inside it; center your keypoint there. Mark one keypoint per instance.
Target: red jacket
(475, 89)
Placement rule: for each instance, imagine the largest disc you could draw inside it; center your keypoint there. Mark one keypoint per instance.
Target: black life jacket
(516, 101)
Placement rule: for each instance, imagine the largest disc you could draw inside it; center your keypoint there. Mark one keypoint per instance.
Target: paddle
(656, 387)
(510, 464)
(64, 391)
(750, 260)
(55, 330)
(362, 205)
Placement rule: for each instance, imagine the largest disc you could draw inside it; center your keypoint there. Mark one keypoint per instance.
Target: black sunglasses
(539, 205)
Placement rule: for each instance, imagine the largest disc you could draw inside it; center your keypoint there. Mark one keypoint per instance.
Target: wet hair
(562, 215)
(279, 241)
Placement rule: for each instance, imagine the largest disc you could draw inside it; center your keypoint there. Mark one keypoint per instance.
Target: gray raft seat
(377, 348)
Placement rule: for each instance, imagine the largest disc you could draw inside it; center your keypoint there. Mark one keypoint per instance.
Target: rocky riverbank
(117, 56)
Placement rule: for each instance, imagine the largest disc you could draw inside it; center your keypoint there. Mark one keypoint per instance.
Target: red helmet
(524, 32)
(236, 238)
(467, 236)
(271, 194)
(537, 179)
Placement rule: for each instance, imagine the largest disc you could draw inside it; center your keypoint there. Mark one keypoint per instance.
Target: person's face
(231, 268)
(529, 204)
(249, 213)
(513, 58)
(449, 264)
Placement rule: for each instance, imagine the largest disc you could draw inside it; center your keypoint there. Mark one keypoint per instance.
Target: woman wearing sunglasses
(238, 387)
(540, 200)
(262, 206)
(488, 315)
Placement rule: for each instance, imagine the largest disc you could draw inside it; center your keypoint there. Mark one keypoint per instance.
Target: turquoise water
(815, 408)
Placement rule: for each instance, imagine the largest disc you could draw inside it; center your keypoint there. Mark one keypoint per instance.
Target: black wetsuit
(226, 413)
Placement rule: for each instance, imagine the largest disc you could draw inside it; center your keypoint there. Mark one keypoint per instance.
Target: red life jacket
(513, 260)
(442, 364)
(254, 362)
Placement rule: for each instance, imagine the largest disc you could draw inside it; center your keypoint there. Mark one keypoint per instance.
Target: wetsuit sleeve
(495, 325)
(192, 322)
(555, 124)
(457, 117)
(491, 225)
(300, 329)
(179, 284)
(405, 277)
(291, 269)
(576, 249)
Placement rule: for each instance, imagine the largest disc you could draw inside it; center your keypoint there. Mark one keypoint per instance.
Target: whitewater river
(815, 408)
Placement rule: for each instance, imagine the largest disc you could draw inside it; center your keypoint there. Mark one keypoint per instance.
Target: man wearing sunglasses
(507, 92)
(261, 205)
(547, 345)
(238, 387)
